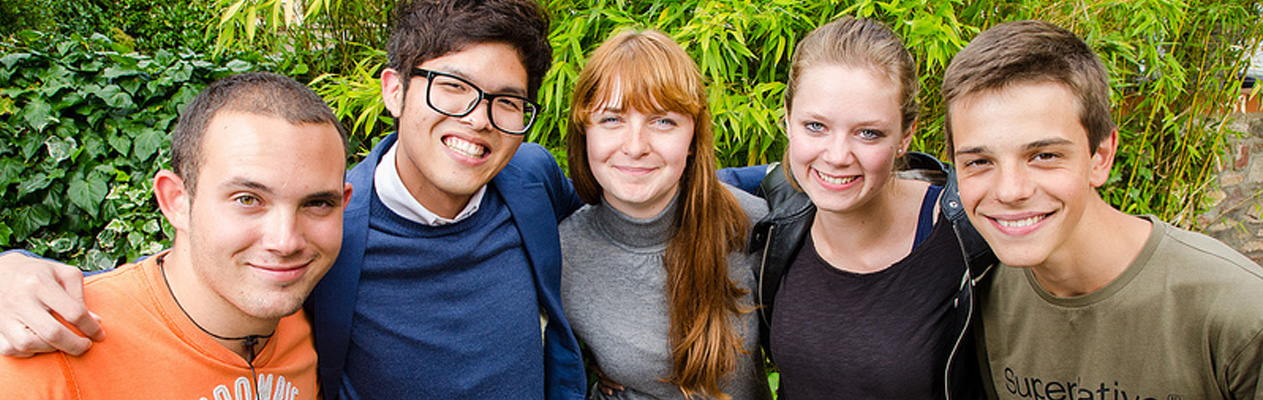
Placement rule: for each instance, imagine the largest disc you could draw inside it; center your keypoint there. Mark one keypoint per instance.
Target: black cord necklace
(249, 341)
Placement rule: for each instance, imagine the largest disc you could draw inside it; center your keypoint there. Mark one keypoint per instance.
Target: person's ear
(1103, 159)
(907, 138)
(173, 199)
(346, 194)
(393, 91)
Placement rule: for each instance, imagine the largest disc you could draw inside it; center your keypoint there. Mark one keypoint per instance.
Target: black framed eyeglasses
(454, 96)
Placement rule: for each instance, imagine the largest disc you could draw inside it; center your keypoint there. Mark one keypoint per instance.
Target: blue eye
(871, 134)
(814, 126)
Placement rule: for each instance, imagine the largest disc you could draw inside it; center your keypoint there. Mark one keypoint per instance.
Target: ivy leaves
(83, 125)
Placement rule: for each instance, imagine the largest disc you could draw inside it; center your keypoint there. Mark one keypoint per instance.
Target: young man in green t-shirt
(1088, 302)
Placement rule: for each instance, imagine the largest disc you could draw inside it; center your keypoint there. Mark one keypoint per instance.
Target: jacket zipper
(966, 280)
(767, 243)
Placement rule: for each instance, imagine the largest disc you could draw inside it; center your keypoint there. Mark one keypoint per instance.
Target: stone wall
(1237, 215)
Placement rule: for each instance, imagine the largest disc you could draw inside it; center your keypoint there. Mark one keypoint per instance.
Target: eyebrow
(241, 183)
(1029, 146)
(513, 90)
(1046, 143)
(872, 122)
(330, 196)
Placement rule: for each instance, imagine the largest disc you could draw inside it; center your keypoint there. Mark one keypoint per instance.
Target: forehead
(495, 66)
(236, 144)
(844, 88)
(1017, 115)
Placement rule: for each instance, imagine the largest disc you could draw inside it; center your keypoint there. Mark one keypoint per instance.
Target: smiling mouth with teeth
(836, 181)
(1019, 223)
(464, 147)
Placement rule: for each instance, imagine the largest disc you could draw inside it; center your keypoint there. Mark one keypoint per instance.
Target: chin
(1019, 258)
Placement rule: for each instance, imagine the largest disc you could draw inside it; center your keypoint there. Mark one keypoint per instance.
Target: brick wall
(1237, 213)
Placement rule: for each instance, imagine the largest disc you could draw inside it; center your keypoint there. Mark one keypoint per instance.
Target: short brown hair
(256, 93)
(651, 73)
(1031, 51)
(429, 29)
(857, 43)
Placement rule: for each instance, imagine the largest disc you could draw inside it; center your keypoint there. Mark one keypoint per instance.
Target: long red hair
(650, 72)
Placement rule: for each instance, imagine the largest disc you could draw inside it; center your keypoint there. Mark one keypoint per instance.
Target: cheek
(600, 146)
(972, 190)
(326, 231)
(678, 153)
(225, 232)
(802, 150)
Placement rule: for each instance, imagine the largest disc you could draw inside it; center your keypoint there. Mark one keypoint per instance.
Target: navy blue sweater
(418, 287)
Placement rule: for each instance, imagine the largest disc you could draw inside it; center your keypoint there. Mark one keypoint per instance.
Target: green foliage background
(83, 129)
(75, 113)
(1175, 66)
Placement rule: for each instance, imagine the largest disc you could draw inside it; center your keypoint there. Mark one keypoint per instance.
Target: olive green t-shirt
(1183, 322)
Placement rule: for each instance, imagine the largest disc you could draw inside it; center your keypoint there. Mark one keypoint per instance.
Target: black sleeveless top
(880, 335)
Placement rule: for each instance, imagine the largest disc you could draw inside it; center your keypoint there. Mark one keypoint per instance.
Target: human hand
(36, 295)
(605, 384)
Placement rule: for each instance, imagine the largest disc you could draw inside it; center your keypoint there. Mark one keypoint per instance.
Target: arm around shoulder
(34, 293)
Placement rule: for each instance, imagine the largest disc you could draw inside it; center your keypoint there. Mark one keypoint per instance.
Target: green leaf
(115, 72)
(14, 58)
(119, 143)
(10, 171)
(146, 144)
(29, 219)
(38, 114)
(5, 233)
(238, 66)
(37, 182)
(115, 97)
(61, 245)
(60, 149)
(88, 194)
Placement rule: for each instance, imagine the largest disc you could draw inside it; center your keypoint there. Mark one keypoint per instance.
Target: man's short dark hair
(257, 93)
(1024, 52)
(429, 29)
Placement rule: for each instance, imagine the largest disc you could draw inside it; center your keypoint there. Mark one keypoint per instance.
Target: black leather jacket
(781, 234)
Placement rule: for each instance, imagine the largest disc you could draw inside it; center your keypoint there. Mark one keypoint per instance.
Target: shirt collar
(390, 189)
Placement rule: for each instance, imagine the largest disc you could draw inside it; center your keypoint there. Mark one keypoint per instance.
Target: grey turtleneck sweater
(613, 288)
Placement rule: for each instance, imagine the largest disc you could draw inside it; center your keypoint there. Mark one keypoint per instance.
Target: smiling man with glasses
(447, 283)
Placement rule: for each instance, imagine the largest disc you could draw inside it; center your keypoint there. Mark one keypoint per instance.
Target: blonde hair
(858, 43)
(648, 71)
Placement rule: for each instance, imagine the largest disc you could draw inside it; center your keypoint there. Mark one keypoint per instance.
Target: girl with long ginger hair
(655, 279)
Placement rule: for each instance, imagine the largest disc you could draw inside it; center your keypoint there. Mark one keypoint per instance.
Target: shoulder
(1206, 254)
(531, 157)
(577, 225)
(1220, 282)
(755, 207)
(43, 376)
(121, 288)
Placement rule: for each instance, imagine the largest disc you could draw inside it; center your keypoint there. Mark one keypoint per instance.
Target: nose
(480, 117)
(635, 142)
(838, 150)
(283, 233)
(1013, 184)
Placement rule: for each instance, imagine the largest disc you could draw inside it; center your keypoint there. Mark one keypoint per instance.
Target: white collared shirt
(389, 187)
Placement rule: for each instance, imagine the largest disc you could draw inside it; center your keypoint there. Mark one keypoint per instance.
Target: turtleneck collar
(649, 234)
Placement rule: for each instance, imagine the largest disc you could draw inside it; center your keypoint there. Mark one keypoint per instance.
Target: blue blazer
(538, 197)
